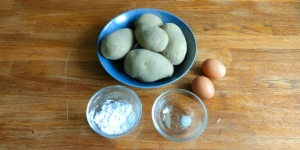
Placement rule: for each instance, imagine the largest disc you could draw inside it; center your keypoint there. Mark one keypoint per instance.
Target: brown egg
(213, 68)
(203, 87)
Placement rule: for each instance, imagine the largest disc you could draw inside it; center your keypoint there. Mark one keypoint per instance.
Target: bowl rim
(170, 137)
(139, 115)
(100, 57)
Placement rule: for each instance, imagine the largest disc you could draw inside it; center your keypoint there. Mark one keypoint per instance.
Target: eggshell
(203, 87)
(213, 68)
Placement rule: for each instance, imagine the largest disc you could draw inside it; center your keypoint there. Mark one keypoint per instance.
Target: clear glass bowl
(108, 95)
(179, 115)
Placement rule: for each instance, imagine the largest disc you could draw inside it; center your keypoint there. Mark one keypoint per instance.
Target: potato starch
(115, 117)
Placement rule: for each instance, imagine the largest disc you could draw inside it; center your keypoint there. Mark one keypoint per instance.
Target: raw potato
(117, 44)
(151, 37)
(177, 47)
(148, 18)
(147, 66)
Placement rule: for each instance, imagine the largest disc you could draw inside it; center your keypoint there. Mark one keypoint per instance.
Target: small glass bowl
(115, 93)
(179, 115)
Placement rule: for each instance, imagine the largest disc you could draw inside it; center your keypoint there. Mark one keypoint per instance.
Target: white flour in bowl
(115, 117)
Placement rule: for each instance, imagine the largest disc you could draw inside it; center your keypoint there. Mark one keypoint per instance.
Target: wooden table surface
(49, 70)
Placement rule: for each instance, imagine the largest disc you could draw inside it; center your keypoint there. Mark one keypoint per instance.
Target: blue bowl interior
(126, 20)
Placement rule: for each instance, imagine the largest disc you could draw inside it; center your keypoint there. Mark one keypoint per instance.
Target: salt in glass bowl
(117, 93)
(179, 115)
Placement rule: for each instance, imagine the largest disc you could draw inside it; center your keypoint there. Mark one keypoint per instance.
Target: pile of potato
(164, 46)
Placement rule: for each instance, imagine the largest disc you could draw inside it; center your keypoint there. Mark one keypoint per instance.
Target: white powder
(185, 121)
(115, 117)
(175, 119)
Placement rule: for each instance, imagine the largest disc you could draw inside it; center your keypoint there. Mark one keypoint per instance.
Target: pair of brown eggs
(201, 85)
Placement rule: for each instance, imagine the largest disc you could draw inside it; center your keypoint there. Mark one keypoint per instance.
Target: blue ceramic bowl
(126, 20)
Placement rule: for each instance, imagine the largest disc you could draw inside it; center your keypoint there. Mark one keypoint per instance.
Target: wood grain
(49, 70)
